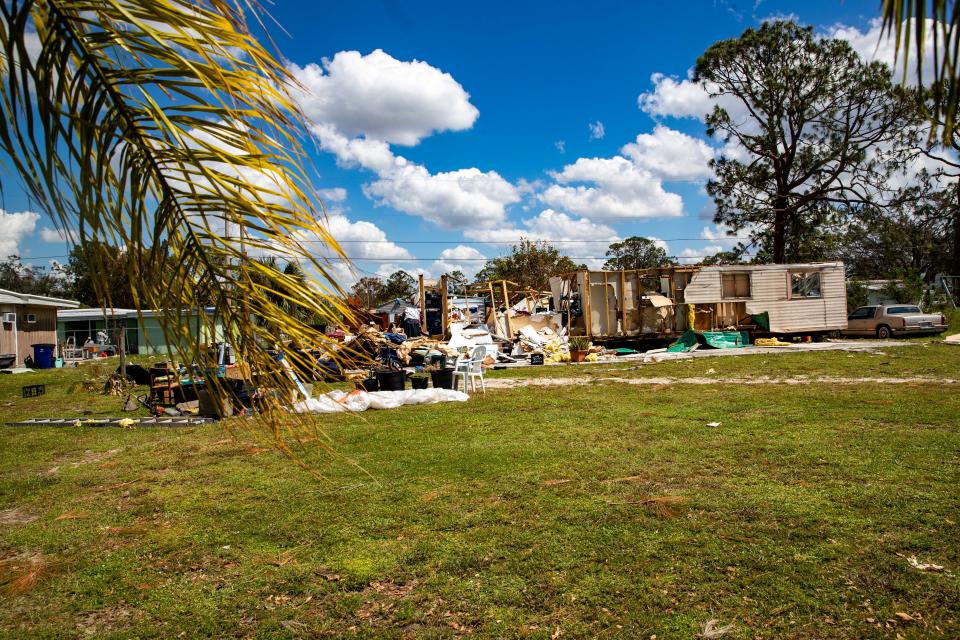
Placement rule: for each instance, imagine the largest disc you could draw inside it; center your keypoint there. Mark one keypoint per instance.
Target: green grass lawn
(593, 510)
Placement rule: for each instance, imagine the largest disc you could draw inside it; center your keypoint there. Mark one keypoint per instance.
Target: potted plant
(579, 347)
(419, 380)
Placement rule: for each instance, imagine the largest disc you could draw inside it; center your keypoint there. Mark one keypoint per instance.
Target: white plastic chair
(476, 369)
(470, 368)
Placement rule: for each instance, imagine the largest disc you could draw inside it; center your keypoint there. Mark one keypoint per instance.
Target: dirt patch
(508, 383)
(105, 621)
(9, 517)
(94, 457)
(381, 598)
(88, 457)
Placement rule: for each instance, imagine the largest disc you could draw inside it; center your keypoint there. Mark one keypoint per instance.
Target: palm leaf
(900, 18)
(164, 127)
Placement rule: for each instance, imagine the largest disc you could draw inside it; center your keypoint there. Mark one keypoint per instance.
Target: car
(888, 320)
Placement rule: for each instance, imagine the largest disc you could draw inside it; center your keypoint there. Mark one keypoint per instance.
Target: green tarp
(684, 343)
(715, 339)
(726, 339)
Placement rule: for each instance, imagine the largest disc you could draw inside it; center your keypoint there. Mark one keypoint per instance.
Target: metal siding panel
(703, 288)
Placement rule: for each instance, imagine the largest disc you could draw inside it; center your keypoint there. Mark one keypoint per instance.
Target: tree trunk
(780, 230)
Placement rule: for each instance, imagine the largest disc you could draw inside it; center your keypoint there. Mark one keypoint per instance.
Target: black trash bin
(442, 379)
(391, 380)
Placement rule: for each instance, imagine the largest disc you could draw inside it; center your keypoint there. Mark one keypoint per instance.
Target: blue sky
(446, 131)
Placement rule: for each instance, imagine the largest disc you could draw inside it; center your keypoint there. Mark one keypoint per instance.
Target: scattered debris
(21, 572)
(713, 424)
(163, 421)
(711, 630)
(924, 566)
(771, 342)
(71, 515)
(33, 390)
(339, 401)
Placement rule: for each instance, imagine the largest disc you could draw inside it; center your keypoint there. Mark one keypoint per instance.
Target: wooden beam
(585, 294)
(623, 303)
(423, 305)
(638, 292)
(493, 306)
(506, 310)
(606, 301)
(444, 311)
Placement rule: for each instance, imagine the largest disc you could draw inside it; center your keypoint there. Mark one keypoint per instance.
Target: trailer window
(805, 284)
(735, 285)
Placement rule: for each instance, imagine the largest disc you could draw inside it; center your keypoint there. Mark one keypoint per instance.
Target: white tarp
(338, 401)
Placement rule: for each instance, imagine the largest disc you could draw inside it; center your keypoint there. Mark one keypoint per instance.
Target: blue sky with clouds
(443, 132)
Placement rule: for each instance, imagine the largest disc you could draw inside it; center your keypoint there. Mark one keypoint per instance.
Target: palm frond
(166, 128)
(908, 22)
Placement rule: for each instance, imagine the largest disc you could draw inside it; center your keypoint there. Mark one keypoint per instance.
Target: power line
(396, 259)
(565, 241)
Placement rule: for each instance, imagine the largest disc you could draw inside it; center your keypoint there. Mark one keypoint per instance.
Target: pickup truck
(886, 320)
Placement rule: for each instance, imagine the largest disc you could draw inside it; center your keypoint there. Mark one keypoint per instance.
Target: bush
(857, 295)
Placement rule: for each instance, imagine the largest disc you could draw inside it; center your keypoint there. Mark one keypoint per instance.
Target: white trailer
(796, 298)
(664, 302)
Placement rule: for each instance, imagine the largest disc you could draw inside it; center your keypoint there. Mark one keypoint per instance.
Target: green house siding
(153, 342)
(142, 337)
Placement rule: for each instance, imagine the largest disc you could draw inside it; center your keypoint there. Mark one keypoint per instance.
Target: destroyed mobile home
(650, 304)
(725, 306)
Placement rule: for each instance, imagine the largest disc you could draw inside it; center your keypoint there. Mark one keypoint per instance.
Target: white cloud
(57, 235)
(382, 98)
(659, 242)
(723, 235)
(690, 255)
(675, 98)
(561, 146)
(374, 155)
(684, 98)
(459, 258)
(451, 200)
(576, 237)
(14, 227)
(871, 45)
(670, 154)
(597, 130)
(360, 105)
(622, 191)
(364, 240)
(719, 238)
(336, 194)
